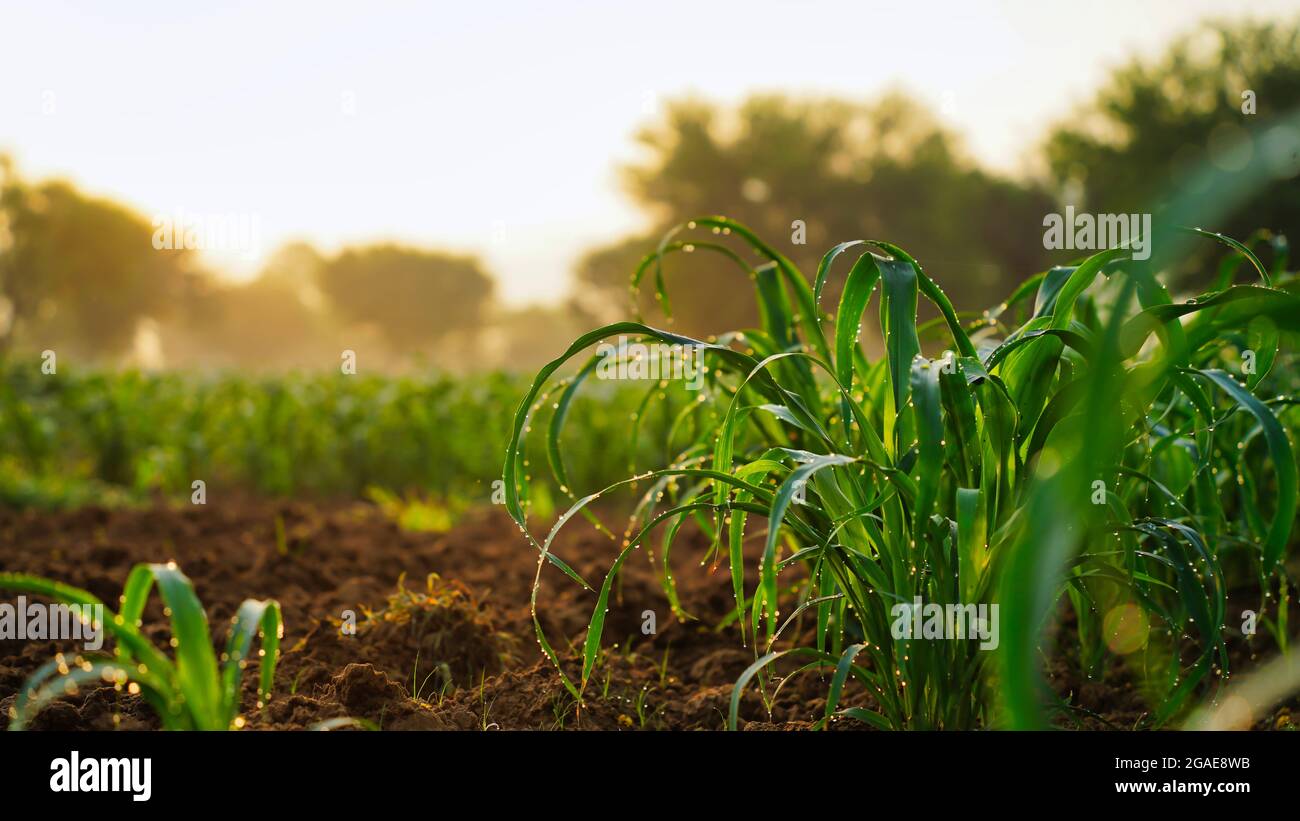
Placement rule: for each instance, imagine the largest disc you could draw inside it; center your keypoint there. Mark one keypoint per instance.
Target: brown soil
(473, 617)
(442, 617)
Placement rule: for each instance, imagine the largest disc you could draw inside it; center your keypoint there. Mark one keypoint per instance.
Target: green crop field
(122, 437)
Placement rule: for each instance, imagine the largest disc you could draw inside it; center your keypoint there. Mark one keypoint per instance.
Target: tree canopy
(78, 269)
(1200, 104)
(886, 170)
(414, 297)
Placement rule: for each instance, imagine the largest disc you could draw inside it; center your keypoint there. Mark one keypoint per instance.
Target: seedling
(191, 692)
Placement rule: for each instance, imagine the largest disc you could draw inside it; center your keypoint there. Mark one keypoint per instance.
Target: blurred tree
(524, 339)
(1155, 121)
(848, 171)
(78, 270)
(272, 322)
(414, 298)
(297, 265)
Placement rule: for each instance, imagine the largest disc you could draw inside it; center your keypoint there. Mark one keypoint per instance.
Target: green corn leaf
(252, 618)
(1284, 465)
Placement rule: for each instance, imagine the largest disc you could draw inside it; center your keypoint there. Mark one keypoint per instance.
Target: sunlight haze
(490, 128)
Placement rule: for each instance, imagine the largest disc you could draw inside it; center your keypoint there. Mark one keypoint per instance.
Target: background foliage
(78, 273)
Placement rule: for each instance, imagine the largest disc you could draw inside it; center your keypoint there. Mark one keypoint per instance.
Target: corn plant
(191, 692)
(1089, 442)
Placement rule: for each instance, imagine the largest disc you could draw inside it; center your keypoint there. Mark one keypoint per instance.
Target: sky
(497, 128)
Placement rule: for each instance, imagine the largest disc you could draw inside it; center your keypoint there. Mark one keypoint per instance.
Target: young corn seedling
(1066, 428)
(191, 692)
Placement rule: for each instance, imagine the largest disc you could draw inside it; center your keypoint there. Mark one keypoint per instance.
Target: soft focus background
(454, 194)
